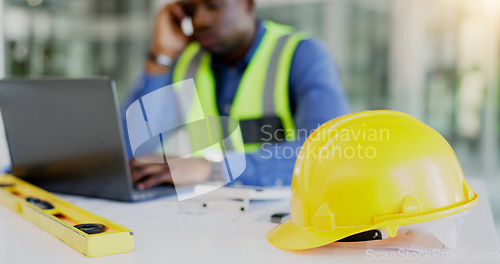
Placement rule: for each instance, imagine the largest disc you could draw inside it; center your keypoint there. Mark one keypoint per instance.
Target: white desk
(167, 231)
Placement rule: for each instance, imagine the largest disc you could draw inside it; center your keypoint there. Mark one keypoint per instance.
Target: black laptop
(65, 136)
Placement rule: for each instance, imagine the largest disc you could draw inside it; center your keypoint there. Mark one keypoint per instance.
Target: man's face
(219, 25)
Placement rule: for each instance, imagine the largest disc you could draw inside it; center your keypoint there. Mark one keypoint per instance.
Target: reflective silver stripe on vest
(191, 73)
(194, 65)
(272, 69)
(228, 144)
(185, 94)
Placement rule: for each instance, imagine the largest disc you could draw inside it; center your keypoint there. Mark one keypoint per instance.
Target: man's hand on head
(168, 37)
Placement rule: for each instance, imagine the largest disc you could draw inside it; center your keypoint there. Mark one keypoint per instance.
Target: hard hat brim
(291, 237)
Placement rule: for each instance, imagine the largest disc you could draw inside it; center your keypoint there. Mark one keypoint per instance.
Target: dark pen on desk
(280, 217)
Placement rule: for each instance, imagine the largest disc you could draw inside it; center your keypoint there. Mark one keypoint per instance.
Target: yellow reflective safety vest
(261, 104)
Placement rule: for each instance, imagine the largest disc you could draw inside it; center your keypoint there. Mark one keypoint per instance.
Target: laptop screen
(65, 135)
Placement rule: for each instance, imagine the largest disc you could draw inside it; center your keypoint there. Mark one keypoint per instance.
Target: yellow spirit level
(87, 233)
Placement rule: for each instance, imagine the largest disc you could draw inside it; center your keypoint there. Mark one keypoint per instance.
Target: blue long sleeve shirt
(316, 96)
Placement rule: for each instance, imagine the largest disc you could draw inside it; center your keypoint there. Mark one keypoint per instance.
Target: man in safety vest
(279, 84)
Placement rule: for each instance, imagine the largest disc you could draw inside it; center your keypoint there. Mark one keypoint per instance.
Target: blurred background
(437, 60)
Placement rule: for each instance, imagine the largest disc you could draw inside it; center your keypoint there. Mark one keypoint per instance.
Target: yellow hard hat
(367, 171)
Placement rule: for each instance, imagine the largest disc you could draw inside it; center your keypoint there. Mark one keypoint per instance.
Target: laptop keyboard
(153, 192)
